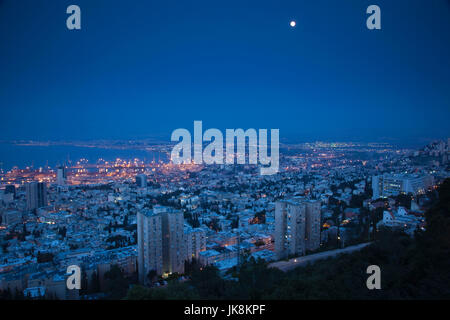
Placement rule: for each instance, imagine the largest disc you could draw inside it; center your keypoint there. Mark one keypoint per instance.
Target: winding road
(302, 261)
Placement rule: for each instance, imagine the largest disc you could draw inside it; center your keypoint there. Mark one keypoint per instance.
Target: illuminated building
(61, 176)
(195, 242)
(141, 180)
(388, 185)
(312, 229)
(161, 246)
(289, 228)
(297, 227)
(36, 195)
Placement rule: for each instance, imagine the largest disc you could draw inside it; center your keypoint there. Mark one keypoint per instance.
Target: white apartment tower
(173, 242)
(61, 176)
(289, 228)
(141, 181)
(149, 231)
(312, 229)
(297, 227)
(160, 242)
(36, 195)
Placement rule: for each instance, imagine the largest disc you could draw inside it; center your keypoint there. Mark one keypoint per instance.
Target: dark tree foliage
(403, 200)
(116, 285)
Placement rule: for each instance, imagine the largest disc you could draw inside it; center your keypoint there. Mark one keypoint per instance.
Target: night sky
(144, 68)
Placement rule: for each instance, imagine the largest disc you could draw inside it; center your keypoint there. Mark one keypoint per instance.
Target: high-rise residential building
(174, 255)
(289, 228)
(161, 244)
(297, 226)
(141, 180)
(195, 242)
(312, 229)
(388, 185)
(36, 195)
(61, 176)
(149, 231)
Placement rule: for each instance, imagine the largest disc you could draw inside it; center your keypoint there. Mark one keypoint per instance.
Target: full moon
(292, 23)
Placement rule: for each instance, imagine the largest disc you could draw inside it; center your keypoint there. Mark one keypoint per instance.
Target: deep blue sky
(140, 68)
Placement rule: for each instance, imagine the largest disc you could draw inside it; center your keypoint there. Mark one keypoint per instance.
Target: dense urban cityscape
(131, 225)
(209, 159)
